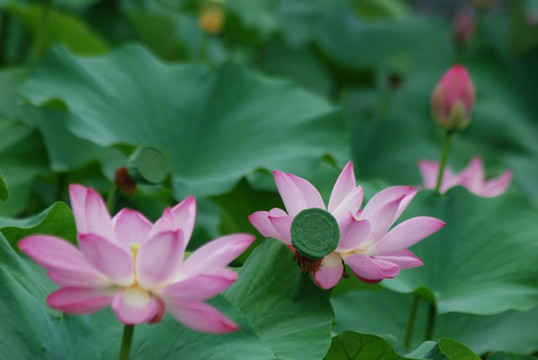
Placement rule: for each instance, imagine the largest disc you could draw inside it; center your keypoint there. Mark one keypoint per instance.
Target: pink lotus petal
(342, 187)
(283, 225)
(472, 176)
(297, 193)
(351, 203)
(112, 260)
(330, 272)
(200, 287)
(497, 186)
(388, 194)
(134, 306)
(131, 227)
(370, 268)
(180, 217)
(406, 234)
(80, 300)
(184, 215)
(215, 255)
(90, 211)
(405, 259)
(429, 171)
(201, 317)
(65, 264)
(381, 219)
(352, 233)
(159, 258)
(260, 220)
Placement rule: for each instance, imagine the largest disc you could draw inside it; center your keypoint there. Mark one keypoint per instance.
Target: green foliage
(4, 192)
(355, 346)
(483, 261)
(56, 220)
(282, 315)
(258, 115)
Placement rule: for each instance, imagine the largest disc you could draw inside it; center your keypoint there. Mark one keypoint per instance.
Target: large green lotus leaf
(214, 127)
(59, 141)
(282, 315)
(61, 27)
(508, 356)
(483, 261)
(55, 220)
(356, 346)
(386, 313)
(398, 45)
(22, 158)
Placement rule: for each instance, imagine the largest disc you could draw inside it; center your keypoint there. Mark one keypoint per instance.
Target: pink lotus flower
(372, 251)
(137, 267)
(453, 99)
(471, 178)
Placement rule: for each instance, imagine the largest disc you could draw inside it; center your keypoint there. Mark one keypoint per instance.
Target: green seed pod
(314, 233)
(147, 165)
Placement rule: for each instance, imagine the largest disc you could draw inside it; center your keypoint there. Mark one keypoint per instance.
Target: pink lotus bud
(453, 99)
(463, 27)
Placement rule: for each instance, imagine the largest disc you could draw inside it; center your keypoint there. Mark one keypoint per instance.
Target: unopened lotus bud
(463, 27)
(453, 99)
(212, 18)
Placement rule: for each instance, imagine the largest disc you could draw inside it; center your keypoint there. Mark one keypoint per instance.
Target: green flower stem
(411, 322)
(4, 27)
(204, 49)
(432, 311)
(126, 341)
(41, 32)
(444, 156)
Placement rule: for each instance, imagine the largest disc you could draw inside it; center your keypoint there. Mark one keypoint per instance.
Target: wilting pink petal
(201, 317)
(159, 258)
(80, 300)
(215, 255)
(134, 306)
(65, 264)
(131, 227)
(330, 272)
(371, 268)
(91, 214)
(352, 233)
(110, 259)
(200, 287)
(407, 234)
(297, 193)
